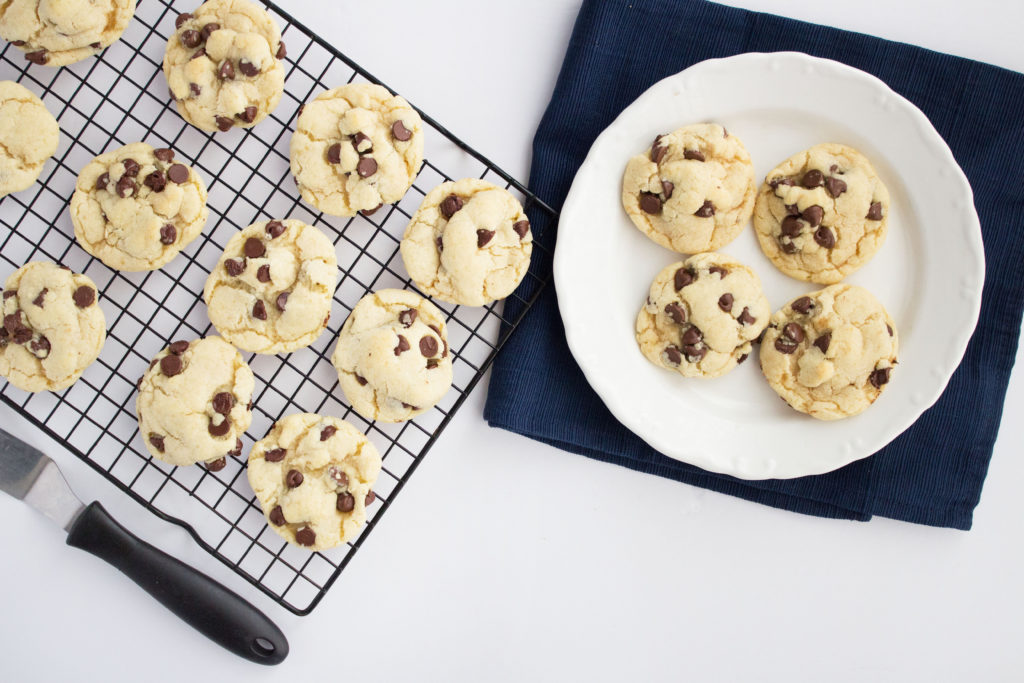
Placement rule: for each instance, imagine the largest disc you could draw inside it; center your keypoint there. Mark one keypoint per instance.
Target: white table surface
(507, 560)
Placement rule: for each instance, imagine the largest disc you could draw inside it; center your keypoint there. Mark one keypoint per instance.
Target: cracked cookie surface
(392, 356)
(59, 32)
(468, 243)
(831, 353)
(223, 65)
(313, 475)
(822, 213)
(135, 208)
(356, 148)
(52, 329)
(702, 316)
(271, 291)
(195, 402)
(28, 137)
(692, 190)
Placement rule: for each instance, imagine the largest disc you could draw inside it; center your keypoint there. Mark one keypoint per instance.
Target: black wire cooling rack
(121, 97)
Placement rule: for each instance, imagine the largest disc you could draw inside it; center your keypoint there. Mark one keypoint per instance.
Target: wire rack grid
(121, 97)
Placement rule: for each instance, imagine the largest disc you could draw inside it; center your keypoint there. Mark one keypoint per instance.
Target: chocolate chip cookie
(822, 213)
(692, 190)
(223, 65)
(468, 243)
(356, 148)
(702, 316)
(831, 353)
(52, 327)
(271, 290)
(135, 208)
(28, 137)
(313, 475)
(392, 356)
(61, 32)
(195, 402)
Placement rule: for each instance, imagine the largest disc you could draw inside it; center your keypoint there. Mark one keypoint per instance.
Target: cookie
(195, 402)
(135, 208)
(692, 190)
(62, 32)
(271, 290)
(52, 327)
(28, 137)
(392, 356)
(468, 243)
(223, 65)
(831, 353)
(702, 316)
(313, 476)
(356, 148)
(822, 214)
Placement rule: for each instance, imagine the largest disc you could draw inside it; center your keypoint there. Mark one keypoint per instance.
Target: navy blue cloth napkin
(931, 474)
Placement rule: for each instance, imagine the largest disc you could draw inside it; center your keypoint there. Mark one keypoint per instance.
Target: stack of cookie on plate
(135, 208)
(819, 216)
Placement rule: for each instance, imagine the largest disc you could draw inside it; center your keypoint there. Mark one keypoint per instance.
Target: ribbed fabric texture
(933, 473)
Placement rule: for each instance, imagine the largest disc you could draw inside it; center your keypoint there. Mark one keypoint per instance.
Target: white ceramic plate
(929, 273)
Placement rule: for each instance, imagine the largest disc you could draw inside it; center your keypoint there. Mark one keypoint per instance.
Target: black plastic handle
(216, 612)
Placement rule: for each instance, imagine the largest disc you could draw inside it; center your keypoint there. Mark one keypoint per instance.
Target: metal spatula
(212, 609)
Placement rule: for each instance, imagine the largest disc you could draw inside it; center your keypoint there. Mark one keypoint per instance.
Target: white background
(507, 560)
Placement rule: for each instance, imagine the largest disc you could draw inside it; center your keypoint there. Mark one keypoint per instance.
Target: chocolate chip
(275, 229)
(875, 211)
(84, 296)
(440, 243)
(775, 182)
(521, 228)
(695, 352)
(813, 215)
(666, 189)
(432, 363)
(182, 18)
(787, 245)
(178, 173)
(194, 89)
(208, 29)
(650, 203)
(338, 475)
(443, 341)
(125, 187)
(370, 497)
(358, 138)
(223, 402)
(327, 432)
(294, 478)
(219, 429)
(334, 153)
(361, 380)
(408, 316)
(745, 318)
(794, 331)
(277, 516)
(157, 442)
(274, 455)
(40, 347)
(96, 46)
(682, 278)
(248, 115)
(102, 181)
(224, 123)
(156, 181)
(791, 226)
(41, 297)
(370, 212)
(249, 406)
(131, 167)
(725, 302)
(823, 341)
(784, 345)
(879, 377)
(226, 71)
(403, 345)
(248, 68)
(824, 237)
(234, 267)
(179, 347)
(813, 178)
(719, 270)
(282, 301)
(692, 336)
(18, 43)
(694, 154)
(739, 361)
(190, 38)
(888, 328)
(237, 450)
(259, 310)
(38, 57)
(707, 210)
(835, 186)
(201, 52)
(9, 293)
(657, 150)
(216, 465)
(281, 51)
(366, 167)
(21, 335)
(253, 248)
(346, 502)
(400, 132)
(483, 237)
(170, 365)
(305, 535)
(168, 234)
(673, 355)
(428, 346)
(676, 312)
(450, 206)
(12, 321)
(792, 210)
(802, 305)
(263, 273)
